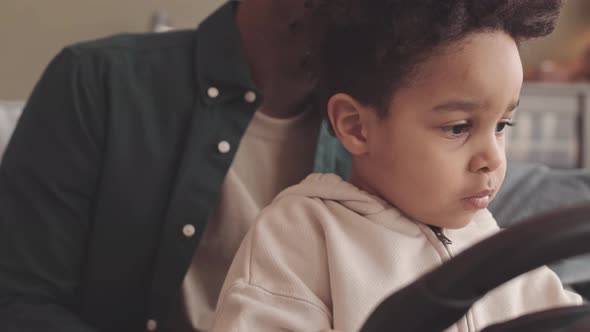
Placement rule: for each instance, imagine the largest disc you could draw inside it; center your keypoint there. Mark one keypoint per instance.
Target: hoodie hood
(333, 187)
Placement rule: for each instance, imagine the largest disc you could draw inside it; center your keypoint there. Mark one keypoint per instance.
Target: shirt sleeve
(48, 177)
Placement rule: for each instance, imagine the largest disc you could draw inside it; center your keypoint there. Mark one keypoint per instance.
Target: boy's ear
(349, 121)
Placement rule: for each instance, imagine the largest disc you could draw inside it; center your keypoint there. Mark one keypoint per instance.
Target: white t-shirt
(273, 155)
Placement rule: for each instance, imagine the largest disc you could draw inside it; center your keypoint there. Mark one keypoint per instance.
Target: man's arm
(48, 177)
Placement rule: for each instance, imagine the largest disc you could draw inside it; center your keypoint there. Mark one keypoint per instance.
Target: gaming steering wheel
(444, 295)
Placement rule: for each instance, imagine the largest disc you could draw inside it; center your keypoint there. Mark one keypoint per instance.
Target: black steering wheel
(440, 298)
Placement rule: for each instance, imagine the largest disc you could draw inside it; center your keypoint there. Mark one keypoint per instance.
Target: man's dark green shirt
(117, 150)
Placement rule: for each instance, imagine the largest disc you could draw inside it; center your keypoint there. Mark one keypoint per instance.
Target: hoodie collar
(333, 187)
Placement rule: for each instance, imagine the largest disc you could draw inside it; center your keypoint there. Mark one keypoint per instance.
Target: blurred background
(553, 123)
(33, 31)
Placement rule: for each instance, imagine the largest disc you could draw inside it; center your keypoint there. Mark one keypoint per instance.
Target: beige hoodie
(325, 253)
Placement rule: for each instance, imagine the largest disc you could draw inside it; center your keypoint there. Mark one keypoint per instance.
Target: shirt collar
(221, 63)
(220, 59)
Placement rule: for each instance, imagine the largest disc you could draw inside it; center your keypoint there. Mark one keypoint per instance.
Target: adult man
(140, 161)
(120, 157)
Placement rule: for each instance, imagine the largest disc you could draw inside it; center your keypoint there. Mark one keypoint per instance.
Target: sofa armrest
(10, 111)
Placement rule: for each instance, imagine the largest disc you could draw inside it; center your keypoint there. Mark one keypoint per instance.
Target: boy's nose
(489, 156)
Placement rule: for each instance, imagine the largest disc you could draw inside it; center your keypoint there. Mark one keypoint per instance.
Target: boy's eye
(502, 125)
(456, 130)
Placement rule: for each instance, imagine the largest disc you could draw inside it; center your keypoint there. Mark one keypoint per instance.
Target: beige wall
(567, 41)
(33, 31)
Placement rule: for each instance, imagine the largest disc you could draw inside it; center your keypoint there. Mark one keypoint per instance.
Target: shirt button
(213, 92)
(223, 147)
(250, 97)
(152, 325)
(188, 230)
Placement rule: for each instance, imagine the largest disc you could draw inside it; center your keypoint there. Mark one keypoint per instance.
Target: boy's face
(439, 155)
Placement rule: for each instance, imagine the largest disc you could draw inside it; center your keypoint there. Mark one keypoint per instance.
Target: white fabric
(273, 155)
(9, 113)
(325, 253)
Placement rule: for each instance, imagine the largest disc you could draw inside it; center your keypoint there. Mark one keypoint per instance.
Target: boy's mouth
(481, 200)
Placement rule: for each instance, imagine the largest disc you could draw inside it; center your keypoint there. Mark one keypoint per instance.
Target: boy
(429, 89)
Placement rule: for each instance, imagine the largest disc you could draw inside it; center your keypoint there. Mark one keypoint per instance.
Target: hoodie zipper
(438, 231)
(441, 237)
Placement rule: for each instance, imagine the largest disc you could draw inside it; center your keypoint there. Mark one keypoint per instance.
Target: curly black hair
(371, 47)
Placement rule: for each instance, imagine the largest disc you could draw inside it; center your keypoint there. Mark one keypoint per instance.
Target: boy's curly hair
(371, 47)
